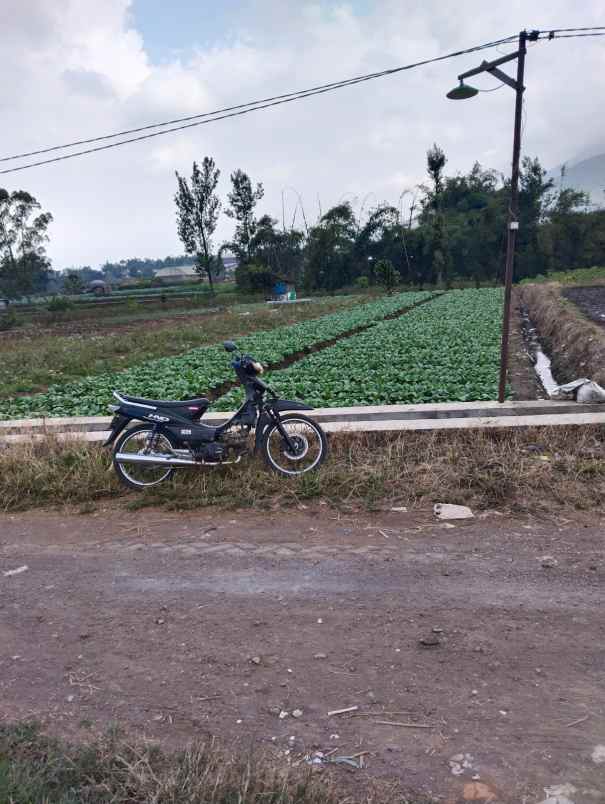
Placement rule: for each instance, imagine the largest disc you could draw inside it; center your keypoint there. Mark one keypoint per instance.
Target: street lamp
(464, 91)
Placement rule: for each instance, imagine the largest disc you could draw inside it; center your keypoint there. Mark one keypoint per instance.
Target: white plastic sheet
(582, 390)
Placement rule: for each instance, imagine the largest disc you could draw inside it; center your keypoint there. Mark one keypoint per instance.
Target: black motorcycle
(173, 437)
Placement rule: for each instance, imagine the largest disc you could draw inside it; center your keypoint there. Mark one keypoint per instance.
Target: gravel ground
(474, 650)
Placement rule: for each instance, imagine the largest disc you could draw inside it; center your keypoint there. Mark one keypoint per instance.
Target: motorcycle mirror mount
(230, 346)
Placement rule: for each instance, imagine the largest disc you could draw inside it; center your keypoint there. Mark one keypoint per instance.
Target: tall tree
(382, 236)
(330, 249)
(73, 283)
(435, 162)
(23, 234)
(437, 242)
(535, 197)
(198, 207)
(243, 199)
(279, 251)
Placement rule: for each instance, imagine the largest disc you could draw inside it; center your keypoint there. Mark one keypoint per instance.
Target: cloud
(80, 68)
(87, 82)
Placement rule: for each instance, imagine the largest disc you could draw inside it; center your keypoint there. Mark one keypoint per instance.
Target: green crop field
(579, 276)
(200, 370)
(446, 350)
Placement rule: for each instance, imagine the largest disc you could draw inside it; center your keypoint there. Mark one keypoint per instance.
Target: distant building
(181, 273)
(99, 287)
(229, 264)
(187, 273)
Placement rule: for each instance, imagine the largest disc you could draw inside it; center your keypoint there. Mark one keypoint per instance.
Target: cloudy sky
(82, 68)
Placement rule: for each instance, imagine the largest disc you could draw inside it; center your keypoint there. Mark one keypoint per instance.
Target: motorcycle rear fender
(261, 425)
(118, 423)
(288, 404)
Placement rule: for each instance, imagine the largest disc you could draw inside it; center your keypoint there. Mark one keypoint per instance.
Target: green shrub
(362, 282)
(59, 304)
(577, 276)
(386, 274)
(8, 320)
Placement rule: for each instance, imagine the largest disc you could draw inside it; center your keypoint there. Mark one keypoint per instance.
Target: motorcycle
(172, 436)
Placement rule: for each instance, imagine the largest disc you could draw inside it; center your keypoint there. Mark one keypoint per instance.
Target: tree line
(454, 232)
(457, 234)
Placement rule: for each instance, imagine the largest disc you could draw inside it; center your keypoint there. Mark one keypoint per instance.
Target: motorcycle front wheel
(140, 440)
(309, 445)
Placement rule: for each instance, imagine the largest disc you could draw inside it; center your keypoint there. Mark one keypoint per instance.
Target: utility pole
(465, 91)
(513, 218)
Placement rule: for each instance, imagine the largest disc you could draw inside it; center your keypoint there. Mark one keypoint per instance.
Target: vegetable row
(200, 370)
(444, 351)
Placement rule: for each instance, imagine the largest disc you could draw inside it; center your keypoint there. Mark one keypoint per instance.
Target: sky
(83, 68)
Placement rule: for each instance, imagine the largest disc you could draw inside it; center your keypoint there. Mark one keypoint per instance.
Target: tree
(26, 275)
(386, 274)
(435, 162)
(382, 235)
(330, 260)
(280, 252)
(197, 213)
(23, 233)
(437, 245)
(73, 283)
(535, 197)
(243, 199)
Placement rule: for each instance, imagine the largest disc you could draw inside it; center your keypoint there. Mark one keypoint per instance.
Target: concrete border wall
(377, 418)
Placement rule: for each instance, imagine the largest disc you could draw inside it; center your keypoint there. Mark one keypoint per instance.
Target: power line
(493, 89)
(568, 30)
(577, 35)
(319, 88)
(265, 103)
(233, 111)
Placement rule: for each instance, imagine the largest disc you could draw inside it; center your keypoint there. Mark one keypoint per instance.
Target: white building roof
(180, 271)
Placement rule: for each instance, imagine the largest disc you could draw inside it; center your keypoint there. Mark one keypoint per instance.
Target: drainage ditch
(541, 361)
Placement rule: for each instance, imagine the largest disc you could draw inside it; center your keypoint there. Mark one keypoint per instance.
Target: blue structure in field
(284, 291)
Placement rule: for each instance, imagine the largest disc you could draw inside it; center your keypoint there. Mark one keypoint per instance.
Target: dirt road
(181, 625)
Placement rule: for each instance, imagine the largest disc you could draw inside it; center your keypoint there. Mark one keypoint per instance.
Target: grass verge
(35, 768)
(579, 276)
(521, 469)
(576, 346)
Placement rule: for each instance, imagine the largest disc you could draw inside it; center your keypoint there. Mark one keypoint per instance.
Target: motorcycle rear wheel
(136, 440)
(310, 440)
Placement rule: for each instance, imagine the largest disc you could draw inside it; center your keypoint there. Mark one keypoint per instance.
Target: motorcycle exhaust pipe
(154, 459)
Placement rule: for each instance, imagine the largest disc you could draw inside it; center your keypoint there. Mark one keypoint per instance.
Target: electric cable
(233, 111)
(265, 103)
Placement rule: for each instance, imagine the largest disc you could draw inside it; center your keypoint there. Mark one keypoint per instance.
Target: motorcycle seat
(200, 402)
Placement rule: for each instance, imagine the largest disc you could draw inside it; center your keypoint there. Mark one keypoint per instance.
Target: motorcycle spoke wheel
(144, 475)
(309, 446)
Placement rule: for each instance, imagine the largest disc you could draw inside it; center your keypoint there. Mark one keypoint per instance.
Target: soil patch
(522, 377)
(575, 344)
(183, 626)
(591, 301)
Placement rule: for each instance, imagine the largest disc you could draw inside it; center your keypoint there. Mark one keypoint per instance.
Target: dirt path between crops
(186, 625)
(590, 300)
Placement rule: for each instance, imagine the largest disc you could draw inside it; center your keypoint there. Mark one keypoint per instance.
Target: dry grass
(518, 469)
(576, 345)
(34, 768)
